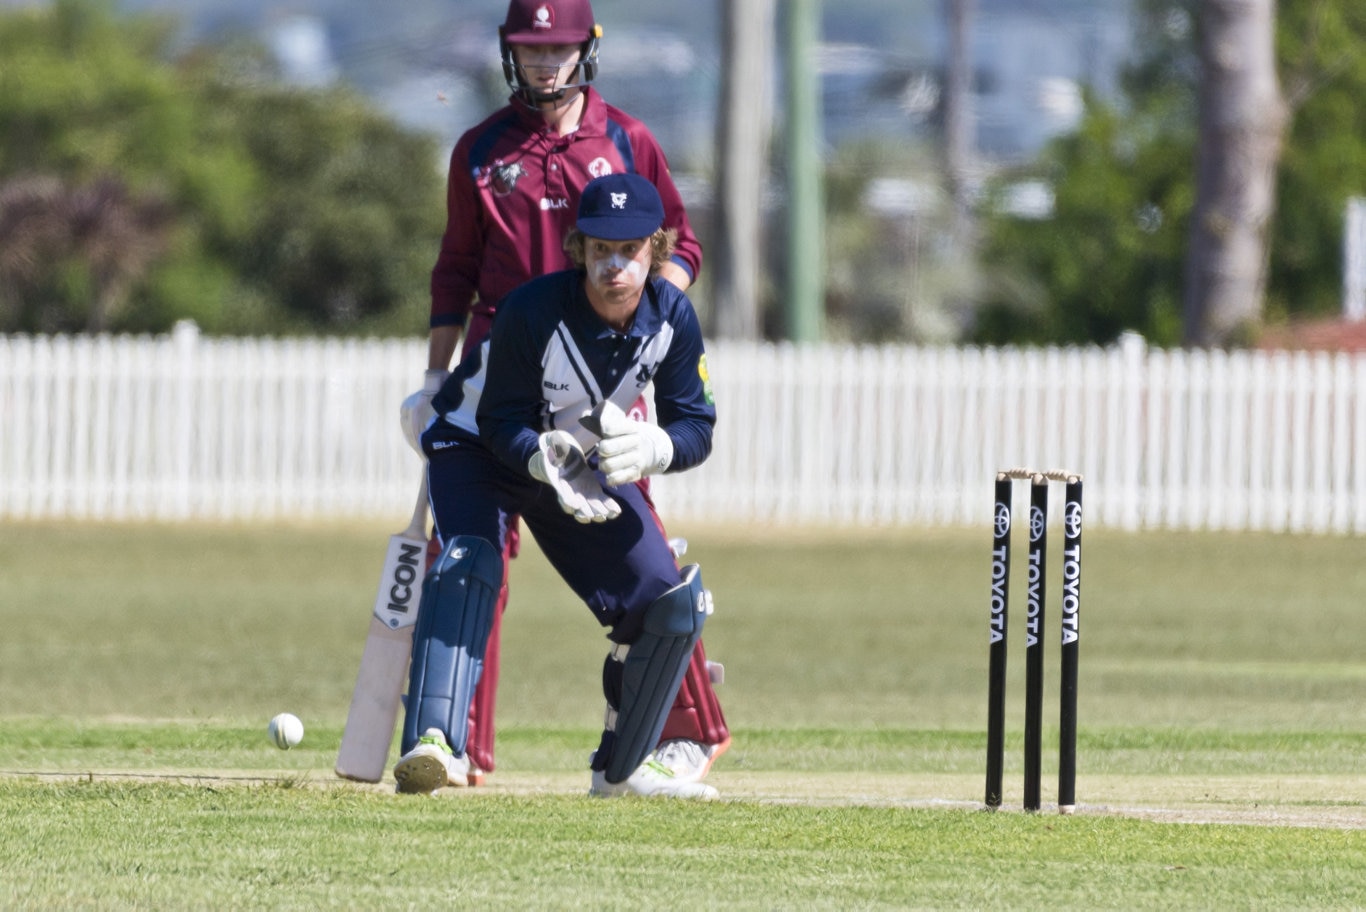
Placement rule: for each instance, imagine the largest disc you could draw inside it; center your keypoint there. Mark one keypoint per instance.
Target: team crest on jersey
(599, 166)
(706, 380)
(503, 178)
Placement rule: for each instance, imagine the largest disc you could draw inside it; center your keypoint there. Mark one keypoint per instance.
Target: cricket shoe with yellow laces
(689, 760)
(651, 779)
(430, 766)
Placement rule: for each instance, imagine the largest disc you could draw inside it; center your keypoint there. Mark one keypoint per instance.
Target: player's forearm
(441, 346)
(511, 441)
(675, 274)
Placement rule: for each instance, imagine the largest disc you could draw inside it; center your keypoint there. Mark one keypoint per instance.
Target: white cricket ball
(285, 731)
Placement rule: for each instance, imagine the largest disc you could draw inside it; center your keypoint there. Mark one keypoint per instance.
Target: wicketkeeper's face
(617, 269)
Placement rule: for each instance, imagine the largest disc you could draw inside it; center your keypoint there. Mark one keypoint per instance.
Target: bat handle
(418, 525)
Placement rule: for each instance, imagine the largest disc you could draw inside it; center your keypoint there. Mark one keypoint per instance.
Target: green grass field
(1220, 753)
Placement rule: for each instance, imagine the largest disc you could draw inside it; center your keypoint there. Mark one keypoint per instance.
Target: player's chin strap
(458, 598)
(640, 681)
(585, 71)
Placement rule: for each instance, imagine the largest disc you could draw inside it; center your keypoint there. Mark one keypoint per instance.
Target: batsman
(533, 423)
(512, 191)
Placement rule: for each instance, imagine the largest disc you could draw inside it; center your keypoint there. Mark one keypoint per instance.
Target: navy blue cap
(620, 207)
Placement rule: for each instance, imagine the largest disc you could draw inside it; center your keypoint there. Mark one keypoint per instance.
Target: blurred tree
(1110, 258)
(896, 270)
(72, 254)
(744, 120)
(803, 290)
(1323, 75)
(959, 118)
(93, 143)
(1238, 149)
(345, 228)
(136, 191)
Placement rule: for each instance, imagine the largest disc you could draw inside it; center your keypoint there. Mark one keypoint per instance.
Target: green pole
(805, 286)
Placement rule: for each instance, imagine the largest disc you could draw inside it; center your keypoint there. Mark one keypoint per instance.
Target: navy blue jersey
(550, 359)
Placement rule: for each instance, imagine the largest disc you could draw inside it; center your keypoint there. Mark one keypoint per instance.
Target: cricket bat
(383, 671)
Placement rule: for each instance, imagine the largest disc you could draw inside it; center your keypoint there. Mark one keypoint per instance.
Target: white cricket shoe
(690, 761)
(651, 779)
(431, 765)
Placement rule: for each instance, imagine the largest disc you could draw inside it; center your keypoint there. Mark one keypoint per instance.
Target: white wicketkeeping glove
(561, 464)
(417, 412)
(630, 449)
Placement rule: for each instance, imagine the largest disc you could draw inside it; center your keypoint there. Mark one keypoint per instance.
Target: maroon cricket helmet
(549, 22)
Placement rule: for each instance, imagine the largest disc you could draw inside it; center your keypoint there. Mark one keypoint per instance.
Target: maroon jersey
(512, 194)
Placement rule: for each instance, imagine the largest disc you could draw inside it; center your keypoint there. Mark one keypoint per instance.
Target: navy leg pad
(458, 598)
(653, 671)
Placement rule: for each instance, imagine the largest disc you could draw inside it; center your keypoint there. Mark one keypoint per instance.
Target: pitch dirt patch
(1331, 802)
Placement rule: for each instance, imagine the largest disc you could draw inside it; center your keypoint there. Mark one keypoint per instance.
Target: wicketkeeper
(533, 424)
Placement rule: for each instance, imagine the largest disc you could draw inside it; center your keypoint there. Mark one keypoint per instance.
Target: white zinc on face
(616, 262)
(619, 260)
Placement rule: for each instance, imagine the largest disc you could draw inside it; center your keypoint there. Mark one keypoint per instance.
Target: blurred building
(435, 66)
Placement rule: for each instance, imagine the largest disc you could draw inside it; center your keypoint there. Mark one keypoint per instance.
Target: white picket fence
(186, 427)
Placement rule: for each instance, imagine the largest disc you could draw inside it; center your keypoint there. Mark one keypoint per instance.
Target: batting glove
(417, 412)
(561, 464)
